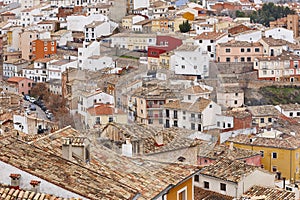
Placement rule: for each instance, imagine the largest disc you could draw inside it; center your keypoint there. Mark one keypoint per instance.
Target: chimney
(35, 186)
(159, 139)
(231, 146)
(77, 148)
(127, 148)
(15, 181)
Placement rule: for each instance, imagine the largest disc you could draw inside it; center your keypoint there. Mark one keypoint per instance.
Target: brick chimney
(35, 186)
(15, 181)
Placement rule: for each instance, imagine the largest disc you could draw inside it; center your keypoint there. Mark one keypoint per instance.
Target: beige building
(148, 104)
(273, 47)
(230, 97)
(164, 60)
(26, 39)
(263, 116)
(104, 113)
(238, 51)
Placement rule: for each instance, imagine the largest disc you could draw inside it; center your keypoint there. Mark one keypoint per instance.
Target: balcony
(194, 119)
(154, 106)
(155, 116)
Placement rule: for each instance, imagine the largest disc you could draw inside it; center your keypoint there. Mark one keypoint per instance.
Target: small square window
(227, 50)
(196, 178)
(242, 50)
(206, 184)
(223, 186)
(248, 50)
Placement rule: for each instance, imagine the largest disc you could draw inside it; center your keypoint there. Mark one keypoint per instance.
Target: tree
(40, 90)
(240, 14)
(185, 27)
(269, 12)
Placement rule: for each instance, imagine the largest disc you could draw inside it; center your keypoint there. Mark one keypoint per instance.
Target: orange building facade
(43, 48)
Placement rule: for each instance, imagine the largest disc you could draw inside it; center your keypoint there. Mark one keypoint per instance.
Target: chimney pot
(35, 186)
(15, 180)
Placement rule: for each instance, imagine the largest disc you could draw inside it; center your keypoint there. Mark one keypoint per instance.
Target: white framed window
(274, 155)
(182, 194)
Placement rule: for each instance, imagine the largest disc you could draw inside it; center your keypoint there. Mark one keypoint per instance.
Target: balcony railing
(155, 106)
(194, 119)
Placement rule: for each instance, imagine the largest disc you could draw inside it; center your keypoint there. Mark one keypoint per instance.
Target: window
(175, 124)
(223, 186)
(218, 124)
(242, 59)
(199, 127)
(182, 58)
(206, 184)
(150, 121)
(189, 97)
(182, 194)
(227, 59)
(248, 50)
(183, 112)
(196, 178)
(242, 50)
(142, 111)
(248, 59)
(200, 41)
(182, 67)
(209, 48)
(211, 41)
(298, 114)
(210, 106)
(291, 114)
(227, 50)
(262, 120)
(192, 126)
(274, 155)
(175, 114)
(262, 153)
(235, 102)
(228, 125)
(110, 119)
(195, 66)
(274, 169)
(256, 49)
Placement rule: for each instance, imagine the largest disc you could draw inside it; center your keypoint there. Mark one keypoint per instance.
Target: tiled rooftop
(202, 194)
(185, 47)
(173, 138)
(267, 193)
(224, 151)
(234, 43)
(228, 170)
(284, 141)
(7, 193)
(210, 36)
(107, 176)
(274, 42)
(197, 89)
(198, 106)
(290, 107)
(264, 110)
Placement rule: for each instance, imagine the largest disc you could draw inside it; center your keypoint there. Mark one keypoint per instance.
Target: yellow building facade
(278, 156)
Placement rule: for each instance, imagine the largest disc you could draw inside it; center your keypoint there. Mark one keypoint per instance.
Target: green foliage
(240, 14)
(280, 95)
(269, 12)
(185, 27)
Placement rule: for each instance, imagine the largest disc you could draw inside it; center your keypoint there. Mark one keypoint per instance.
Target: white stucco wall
(45, 186)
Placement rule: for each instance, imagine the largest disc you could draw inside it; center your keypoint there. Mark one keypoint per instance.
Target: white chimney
(231, 146)
(35, 186)
(127, 148)
(15, 180)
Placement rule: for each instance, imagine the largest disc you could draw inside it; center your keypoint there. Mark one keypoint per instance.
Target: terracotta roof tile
(197, 106)
(268, 193)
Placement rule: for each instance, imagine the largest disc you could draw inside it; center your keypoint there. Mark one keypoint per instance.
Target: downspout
(291, 165)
